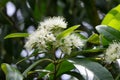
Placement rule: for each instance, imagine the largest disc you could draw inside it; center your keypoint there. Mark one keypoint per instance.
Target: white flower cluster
(52, 23)
(112, 52)
(70, 42)
(46, 35)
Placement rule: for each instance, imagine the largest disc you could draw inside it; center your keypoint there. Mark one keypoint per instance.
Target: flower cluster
(112, 52)
(70, 42)
(46, 35)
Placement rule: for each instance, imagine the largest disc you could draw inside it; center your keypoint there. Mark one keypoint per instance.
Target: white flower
(50, 37)
(112, 52)
(70, 42)
(53, 23)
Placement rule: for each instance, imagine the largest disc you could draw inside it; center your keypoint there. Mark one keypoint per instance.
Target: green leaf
(67, 32)
(94, 38)
(11, 72)
(80, 36)
(87, 52)
(14, 35)
(39, 70)
(108, 32)
(65, 66)
(50, 67)
(100, 72)
(33, 65)
(103, 41)
(112, 18)
(62, 68)
(75, 74)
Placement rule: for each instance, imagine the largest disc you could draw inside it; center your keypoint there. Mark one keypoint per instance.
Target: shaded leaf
(108, 32)
(87, 52)
(11, 72)
(75, 74)
(100, 72)
(14, 35)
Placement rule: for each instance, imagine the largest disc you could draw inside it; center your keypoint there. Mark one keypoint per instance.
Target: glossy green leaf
(75, 74)
(108, 32)
(112, 18)
(11, 72)
(94, 38)
(14, 35)
(67, 32)
(65, 66)
(100, 72)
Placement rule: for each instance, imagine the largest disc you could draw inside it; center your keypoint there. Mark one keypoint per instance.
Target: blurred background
(24, 16)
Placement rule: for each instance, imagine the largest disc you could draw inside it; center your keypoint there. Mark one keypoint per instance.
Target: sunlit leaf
(14, 35)
(94, 38)
(67, 32)
(100, 72)
(108, 32)
(11, 72)
(112, 18)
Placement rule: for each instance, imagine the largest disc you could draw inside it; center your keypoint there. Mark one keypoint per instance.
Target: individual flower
(112, 53)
